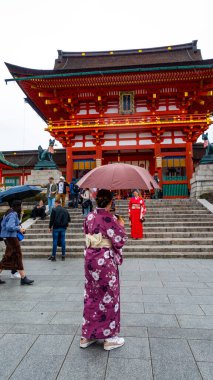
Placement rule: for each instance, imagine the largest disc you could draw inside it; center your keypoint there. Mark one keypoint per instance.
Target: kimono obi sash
(97, 241)
(136, 206)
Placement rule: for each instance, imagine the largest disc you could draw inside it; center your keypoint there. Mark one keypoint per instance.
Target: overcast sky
(32, 31)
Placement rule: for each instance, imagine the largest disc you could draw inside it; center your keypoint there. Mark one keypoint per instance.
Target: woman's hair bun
(103, 198)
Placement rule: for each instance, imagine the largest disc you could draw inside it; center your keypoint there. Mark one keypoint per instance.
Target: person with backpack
(59, 220)
(74, 194)
(10, 227)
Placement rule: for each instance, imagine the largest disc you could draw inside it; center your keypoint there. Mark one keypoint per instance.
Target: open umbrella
(19, 192)
(118, 176)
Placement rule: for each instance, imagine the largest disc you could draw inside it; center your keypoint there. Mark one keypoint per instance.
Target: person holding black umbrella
(10, 227)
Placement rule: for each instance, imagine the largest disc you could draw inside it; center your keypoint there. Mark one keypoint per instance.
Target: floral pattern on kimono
(135, 216)
(101, 317)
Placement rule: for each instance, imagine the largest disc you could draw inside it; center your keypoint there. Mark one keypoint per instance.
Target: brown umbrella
(118, 176)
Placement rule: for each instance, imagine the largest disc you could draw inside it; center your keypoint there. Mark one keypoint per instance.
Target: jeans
(86, 211)
(56, 232)
(74, 200)
(51, 204)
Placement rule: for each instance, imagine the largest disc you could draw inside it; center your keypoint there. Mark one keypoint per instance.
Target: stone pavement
(167, 319)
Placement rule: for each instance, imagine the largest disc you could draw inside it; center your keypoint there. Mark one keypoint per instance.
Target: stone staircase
(173, 228)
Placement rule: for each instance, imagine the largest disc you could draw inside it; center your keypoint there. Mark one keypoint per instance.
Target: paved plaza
(167, 320)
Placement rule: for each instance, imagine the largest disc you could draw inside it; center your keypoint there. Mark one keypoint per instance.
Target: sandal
(84, 343)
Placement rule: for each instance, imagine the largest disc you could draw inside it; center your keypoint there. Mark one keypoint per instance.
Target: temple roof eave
(19, 71)
(6, 164)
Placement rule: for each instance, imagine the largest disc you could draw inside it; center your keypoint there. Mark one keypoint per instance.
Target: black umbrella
(19, 192)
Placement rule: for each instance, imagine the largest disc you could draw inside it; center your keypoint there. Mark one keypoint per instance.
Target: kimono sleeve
(143, 207)
(117, 234)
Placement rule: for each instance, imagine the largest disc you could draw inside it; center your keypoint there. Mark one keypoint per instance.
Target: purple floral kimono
(101, 318)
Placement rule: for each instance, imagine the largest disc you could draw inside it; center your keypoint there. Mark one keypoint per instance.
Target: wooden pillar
(23, 177)
(189, 162)
(158, 169)
(98, 155)
(69, 167)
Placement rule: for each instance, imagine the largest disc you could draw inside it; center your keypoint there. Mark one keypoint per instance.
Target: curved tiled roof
(5, 163)
(120, 58)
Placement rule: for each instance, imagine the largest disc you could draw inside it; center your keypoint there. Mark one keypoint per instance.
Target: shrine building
(145, 107)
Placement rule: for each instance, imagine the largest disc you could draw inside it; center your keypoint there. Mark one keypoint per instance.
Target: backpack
(76, 189)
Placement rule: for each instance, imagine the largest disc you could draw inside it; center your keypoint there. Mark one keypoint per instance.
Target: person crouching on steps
(59, 220)
(12, 259)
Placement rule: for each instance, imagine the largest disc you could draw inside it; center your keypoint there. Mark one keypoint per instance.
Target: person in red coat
(137, 211)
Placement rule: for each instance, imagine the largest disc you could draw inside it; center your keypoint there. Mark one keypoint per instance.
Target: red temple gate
(143, 106)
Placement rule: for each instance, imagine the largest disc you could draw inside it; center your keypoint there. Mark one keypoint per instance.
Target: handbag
(20, 236)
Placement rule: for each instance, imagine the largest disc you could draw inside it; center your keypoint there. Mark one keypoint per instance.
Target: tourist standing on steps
(62, 185)
(74, 194)
(12, 259)
(51, 193)
(87, 203)
(59, 220)
(105, 237)
(137, 211)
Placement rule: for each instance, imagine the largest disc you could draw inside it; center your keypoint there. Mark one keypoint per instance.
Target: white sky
(32, 31)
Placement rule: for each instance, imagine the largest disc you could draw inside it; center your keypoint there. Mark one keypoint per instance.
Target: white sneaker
(84, 343)
(115, 342)
(15, 275)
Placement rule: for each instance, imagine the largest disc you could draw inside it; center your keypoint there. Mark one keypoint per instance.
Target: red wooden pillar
(98, 155)
(69, 167)
(189, 162)
(158, 169)
(22, 177)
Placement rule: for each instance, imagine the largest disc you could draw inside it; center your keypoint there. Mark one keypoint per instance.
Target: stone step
(173, 228)
(132, 248)
(147, 226)
(152, 209)
(130, 254)
(149, 219)
(158, 214)
(147, 234)
(131, 242)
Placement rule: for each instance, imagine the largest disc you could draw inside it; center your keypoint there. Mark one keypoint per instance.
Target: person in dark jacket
(59, 220)
(39, 211)
(74, 194)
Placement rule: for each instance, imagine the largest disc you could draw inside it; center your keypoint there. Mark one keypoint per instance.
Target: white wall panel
(179, 141)
(127, 135)
(109, 143)
(78, 137)
(146, 142)
(167, 141)
(89, 143)
(178, 133)
(145, 134)
(127, 142)
(78, 145)
(109, 136)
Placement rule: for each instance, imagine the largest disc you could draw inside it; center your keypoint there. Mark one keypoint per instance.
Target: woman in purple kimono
(105, 237)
